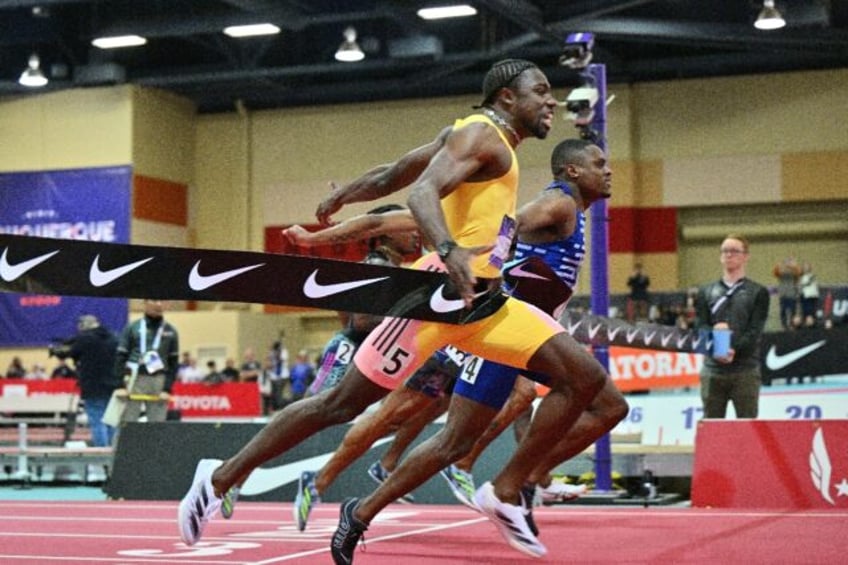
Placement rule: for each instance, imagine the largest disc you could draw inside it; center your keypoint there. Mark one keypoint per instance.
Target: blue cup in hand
(721, 342)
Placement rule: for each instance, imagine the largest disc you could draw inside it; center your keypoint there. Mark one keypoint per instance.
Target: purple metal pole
(599, 253)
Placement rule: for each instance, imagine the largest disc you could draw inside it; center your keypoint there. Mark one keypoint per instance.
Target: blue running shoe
(307, 496)
(348, 534)
(461, 484)
(377, 472)
(228, 503)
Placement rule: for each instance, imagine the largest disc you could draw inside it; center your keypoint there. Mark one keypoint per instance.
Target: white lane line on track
(112, 560)
(373, 540)
(174, 538)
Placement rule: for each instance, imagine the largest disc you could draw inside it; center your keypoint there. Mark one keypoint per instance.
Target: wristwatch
(444, 249)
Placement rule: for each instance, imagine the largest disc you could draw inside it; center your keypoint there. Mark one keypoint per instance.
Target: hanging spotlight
(349, 51)
(33, 77)
(118, 41)
(770, 17)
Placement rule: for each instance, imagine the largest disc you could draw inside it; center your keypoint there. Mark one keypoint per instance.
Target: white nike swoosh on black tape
(9, 272)
(442, 305)
(99, 277)
(313, 289)
(201, 282)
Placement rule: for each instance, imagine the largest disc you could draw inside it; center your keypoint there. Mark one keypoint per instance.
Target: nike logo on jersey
(201, 282)
(519, 271)
(776, 361)
(9, 272)
(442, 305)
(99, 277)
(313, 289)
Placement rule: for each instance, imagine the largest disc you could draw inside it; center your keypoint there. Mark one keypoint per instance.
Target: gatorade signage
(646, 369)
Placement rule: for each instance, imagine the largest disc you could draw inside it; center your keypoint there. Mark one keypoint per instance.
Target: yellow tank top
(481, 213)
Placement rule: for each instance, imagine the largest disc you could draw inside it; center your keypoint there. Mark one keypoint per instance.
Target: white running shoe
(560, 492)
(199, 504)
(510, 521)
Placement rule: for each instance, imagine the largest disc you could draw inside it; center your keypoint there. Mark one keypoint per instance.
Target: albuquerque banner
(82, 204)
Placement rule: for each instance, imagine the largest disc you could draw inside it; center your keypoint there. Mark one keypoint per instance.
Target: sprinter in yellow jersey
(472, 168)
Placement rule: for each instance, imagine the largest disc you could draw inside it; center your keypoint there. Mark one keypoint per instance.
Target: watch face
(444, 249)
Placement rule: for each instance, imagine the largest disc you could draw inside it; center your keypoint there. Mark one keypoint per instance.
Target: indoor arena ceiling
(405, 55)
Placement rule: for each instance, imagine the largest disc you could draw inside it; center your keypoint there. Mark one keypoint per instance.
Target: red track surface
(117, 533)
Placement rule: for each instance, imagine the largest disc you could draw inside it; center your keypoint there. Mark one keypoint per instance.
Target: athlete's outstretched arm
(381, 180)
(358, 227)
(474, 152)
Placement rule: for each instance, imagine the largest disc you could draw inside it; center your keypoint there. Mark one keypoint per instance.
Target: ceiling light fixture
(252, 30)
(118, 41)
(770, 17)
(349, 51)
(441, 12)
(32, 76)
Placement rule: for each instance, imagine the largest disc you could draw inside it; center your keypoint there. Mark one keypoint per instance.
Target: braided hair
(501, 75)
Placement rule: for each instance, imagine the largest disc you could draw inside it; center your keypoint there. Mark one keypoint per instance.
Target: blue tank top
(564, 256)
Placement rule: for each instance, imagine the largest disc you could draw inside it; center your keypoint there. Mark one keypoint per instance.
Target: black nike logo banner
(86, 268)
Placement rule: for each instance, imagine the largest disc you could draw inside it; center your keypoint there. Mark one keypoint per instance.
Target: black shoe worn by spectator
(348, 533)
(528, 493)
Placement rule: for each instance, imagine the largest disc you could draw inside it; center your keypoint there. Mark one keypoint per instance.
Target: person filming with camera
(93, 351)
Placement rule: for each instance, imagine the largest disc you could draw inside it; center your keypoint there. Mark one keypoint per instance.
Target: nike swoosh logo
(264, 479)
(10, 272)
(521, 273)
(313, 289)
(201, 282)
(442, 305)
(776, 362)
(99, 277)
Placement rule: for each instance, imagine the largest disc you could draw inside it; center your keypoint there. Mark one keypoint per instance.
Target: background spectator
(639, 300)
(277, 392)
(787, 273)
(16, 369)
(809, 290)
(38, 373)
(93, 350)
(229, 373)
(63, 371)
(250, 367)
(148, 348)
(740, 304)
(189, 372)
(213, 375)
(301, 375)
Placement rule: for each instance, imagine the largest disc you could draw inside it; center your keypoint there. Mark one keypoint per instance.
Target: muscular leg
(606, 410)
(397, 408)
(298, 421)
(466, 421)
(411, 429)
(522, 396)
(575, 379)
(522, 422)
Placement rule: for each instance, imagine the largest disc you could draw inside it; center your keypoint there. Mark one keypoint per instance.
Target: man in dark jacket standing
(93, 351)
(741, 305)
